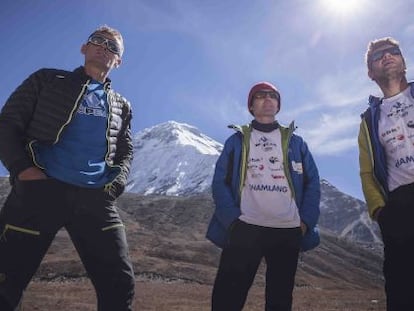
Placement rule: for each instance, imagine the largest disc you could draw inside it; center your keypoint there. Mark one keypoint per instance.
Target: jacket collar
(80, 72)
(268, 127)
(374, 101)
(248, 127)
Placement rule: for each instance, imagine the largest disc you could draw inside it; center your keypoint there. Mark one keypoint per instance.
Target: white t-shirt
(396, 133)
(266, 199)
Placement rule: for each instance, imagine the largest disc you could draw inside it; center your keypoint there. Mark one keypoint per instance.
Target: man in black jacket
(65, 139)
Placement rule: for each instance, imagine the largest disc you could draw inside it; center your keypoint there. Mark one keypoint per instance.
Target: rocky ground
(155, 295)
(175, 265)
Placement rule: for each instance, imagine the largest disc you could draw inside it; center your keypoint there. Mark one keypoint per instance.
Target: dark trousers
(397, 229)
(241, 258)
(32, 215)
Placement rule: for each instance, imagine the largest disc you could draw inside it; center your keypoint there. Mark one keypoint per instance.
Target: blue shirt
(79, 156)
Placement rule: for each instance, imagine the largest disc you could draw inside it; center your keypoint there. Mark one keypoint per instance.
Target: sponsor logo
(256, 175)
(277, 169)
(400, 137)
(397, 147)
(406, 160)
(255, 160)
(266, 144)
(399, 110)
(297, 167)
(92, 105)
(273, 160)
(388, 132)
(268, 188)
(395, 139)
(255, 167)
(390, 140)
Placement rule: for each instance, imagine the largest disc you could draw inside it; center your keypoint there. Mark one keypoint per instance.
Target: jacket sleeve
(227, 209)
(14, 119)
(309, 212)
(370, 188)
(124, 152)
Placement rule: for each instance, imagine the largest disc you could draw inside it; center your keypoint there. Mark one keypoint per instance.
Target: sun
(342, 7)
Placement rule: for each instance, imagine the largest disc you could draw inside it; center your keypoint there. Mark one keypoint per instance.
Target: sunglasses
(377, 55)
(111, 45)
(263, 94)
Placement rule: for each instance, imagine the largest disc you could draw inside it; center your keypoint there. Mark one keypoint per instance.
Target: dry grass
(177, 296)
(166, 238)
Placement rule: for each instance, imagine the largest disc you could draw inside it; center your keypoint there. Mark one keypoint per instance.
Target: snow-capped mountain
(177, 159)
(173, 159)
(346, 216)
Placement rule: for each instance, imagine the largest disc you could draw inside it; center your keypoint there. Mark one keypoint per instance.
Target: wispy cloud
(331, 115)
(333, 134)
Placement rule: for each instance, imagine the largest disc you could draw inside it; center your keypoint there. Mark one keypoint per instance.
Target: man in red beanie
(262, 86)
(266, 191)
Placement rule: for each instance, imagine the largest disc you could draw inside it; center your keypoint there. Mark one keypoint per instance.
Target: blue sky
(194, 61)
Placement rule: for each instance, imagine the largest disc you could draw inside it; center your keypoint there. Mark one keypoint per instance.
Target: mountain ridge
(176, 159)
(173, 159)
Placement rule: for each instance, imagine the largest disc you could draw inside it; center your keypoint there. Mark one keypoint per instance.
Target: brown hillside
(175, 265)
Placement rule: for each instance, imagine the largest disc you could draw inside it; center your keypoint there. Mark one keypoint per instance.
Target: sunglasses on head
(111, 45)
(263, 94)
(377, 55)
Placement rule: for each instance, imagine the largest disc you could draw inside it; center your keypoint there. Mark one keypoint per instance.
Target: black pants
(32, 215)
(397, 229)
(240, 260)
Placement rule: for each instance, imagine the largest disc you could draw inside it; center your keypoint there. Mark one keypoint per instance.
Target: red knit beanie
(259, 87)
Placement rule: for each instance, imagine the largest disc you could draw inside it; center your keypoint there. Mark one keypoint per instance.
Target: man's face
(103, 51)
(265, 103)
(386, 62)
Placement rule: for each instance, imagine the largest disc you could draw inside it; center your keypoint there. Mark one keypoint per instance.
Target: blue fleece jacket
(229, 177)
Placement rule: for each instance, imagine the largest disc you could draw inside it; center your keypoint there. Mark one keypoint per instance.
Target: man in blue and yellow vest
(386, 156)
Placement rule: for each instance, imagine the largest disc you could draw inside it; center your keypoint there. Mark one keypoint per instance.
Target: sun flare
(341, 7)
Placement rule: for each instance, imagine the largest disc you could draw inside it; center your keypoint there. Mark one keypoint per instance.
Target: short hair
(377, 43)
(111, 31)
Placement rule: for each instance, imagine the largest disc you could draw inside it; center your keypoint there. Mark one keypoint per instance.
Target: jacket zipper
(75, 107)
